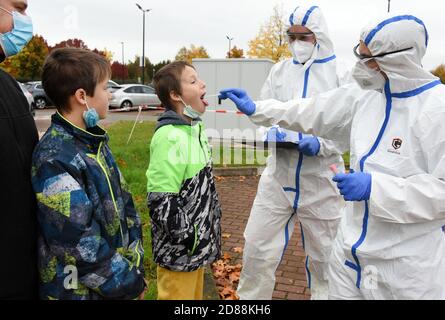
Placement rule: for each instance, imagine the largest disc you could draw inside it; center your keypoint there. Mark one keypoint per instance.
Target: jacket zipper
(200, 143)
(111, 191)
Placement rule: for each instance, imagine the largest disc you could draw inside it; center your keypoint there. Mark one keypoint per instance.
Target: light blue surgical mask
(190, 112)
(90, 116)
(14, 41)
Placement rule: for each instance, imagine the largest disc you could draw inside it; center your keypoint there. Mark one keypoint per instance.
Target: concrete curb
(210, 291)
(238, 171)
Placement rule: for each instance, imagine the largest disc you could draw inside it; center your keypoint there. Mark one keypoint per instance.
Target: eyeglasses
(302, 36)
(362, 57)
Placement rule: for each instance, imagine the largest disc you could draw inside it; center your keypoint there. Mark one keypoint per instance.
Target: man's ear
(80, 96)
(174, 96)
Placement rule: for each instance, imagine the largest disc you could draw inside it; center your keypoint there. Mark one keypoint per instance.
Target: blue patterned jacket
(90, 238)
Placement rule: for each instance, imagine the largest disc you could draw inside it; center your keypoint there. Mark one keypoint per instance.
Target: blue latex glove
(240, 98)
(275, 135)
(309, 146)
(354, 186)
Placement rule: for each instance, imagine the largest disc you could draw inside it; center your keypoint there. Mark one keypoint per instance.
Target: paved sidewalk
(236, 196)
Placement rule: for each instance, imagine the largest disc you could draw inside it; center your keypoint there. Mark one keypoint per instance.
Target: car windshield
(111, 84)
(114, 88)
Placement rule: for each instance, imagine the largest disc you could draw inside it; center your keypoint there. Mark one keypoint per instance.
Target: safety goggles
(363, 57)
(302, 36)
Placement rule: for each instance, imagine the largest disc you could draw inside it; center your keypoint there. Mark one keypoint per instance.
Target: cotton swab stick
(334, 169)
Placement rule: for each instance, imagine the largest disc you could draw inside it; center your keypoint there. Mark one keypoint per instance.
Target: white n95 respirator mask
(367, 78)
(301, 50)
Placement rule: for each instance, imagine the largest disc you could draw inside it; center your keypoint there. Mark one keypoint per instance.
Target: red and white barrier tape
(226, 111)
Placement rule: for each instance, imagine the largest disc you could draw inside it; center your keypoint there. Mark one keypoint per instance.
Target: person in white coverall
(390, 244)
(296, 182)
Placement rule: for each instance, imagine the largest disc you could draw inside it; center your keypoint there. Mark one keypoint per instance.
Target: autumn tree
(79, 43)
(440, 72)
(161, 64)
(135, 70)
(194, 52)
(70, 43)
(236, 53)
(27, 65)
(107, 54)
(271, 41)
(119, 71)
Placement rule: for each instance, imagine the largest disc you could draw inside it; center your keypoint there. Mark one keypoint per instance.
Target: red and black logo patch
(397, 143)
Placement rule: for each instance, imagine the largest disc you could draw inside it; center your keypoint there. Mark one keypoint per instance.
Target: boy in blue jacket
(90, 239)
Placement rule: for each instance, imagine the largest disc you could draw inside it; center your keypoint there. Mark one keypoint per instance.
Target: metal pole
(230, 46)
(143, 47)
(123, 63)
(143, 40)
(389, 6)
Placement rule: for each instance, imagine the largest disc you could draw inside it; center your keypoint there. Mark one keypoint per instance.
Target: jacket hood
(170, 117)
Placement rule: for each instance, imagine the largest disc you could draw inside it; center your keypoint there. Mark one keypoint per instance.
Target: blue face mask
(15, 40)
(190, 112)
(90, 117)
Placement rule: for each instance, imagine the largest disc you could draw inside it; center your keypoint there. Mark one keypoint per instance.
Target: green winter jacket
(182, 197)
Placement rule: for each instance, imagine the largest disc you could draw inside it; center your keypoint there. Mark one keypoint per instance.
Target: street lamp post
(144, 11)
(230, 44)
(123, 63)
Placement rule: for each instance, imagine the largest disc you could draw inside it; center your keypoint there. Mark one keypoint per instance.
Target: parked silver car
(112, 84)
(131, 95)
(28, 97)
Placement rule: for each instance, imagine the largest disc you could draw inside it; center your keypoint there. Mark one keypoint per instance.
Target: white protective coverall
(293, 184)
(392, 246)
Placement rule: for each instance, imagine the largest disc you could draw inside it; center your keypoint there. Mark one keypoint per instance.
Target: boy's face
(101, 99)
(193, 90)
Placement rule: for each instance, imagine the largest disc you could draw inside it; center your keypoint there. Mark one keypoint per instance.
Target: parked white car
(132, 95)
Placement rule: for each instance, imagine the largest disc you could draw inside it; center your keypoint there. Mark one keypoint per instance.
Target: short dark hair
(68, 69)
(168, 79)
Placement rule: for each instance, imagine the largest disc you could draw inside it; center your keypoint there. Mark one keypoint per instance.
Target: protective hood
(404, 69)
(312, 18)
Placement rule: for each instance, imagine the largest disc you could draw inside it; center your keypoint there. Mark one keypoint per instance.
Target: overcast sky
(173, 24)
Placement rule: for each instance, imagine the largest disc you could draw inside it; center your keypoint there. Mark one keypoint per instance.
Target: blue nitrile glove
(240, 98)
(275, 135)
(354, 186)
(309, 146)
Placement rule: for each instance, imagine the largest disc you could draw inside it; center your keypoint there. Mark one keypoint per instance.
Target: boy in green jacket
(182, 198)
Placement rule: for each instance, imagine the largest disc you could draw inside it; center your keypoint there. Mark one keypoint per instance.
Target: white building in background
(223, 121)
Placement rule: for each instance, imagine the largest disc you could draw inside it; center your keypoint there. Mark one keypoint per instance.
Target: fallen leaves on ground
(227, 277)
(226, 235)
(122, 163)
(238, 250)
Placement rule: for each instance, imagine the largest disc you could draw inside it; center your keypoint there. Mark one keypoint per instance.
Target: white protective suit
(293, 184)
(392, 246)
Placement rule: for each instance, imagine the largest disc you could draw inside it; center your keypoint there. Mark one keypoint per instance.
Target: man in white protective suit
(296, 182)
(390, 244)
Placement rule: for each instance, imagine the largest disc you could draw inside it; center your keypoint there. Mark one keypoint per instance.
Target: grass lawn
(133, 160)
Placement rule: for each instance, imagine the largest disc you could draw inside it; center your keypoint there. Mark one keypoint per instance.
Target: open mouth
(204, 101)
